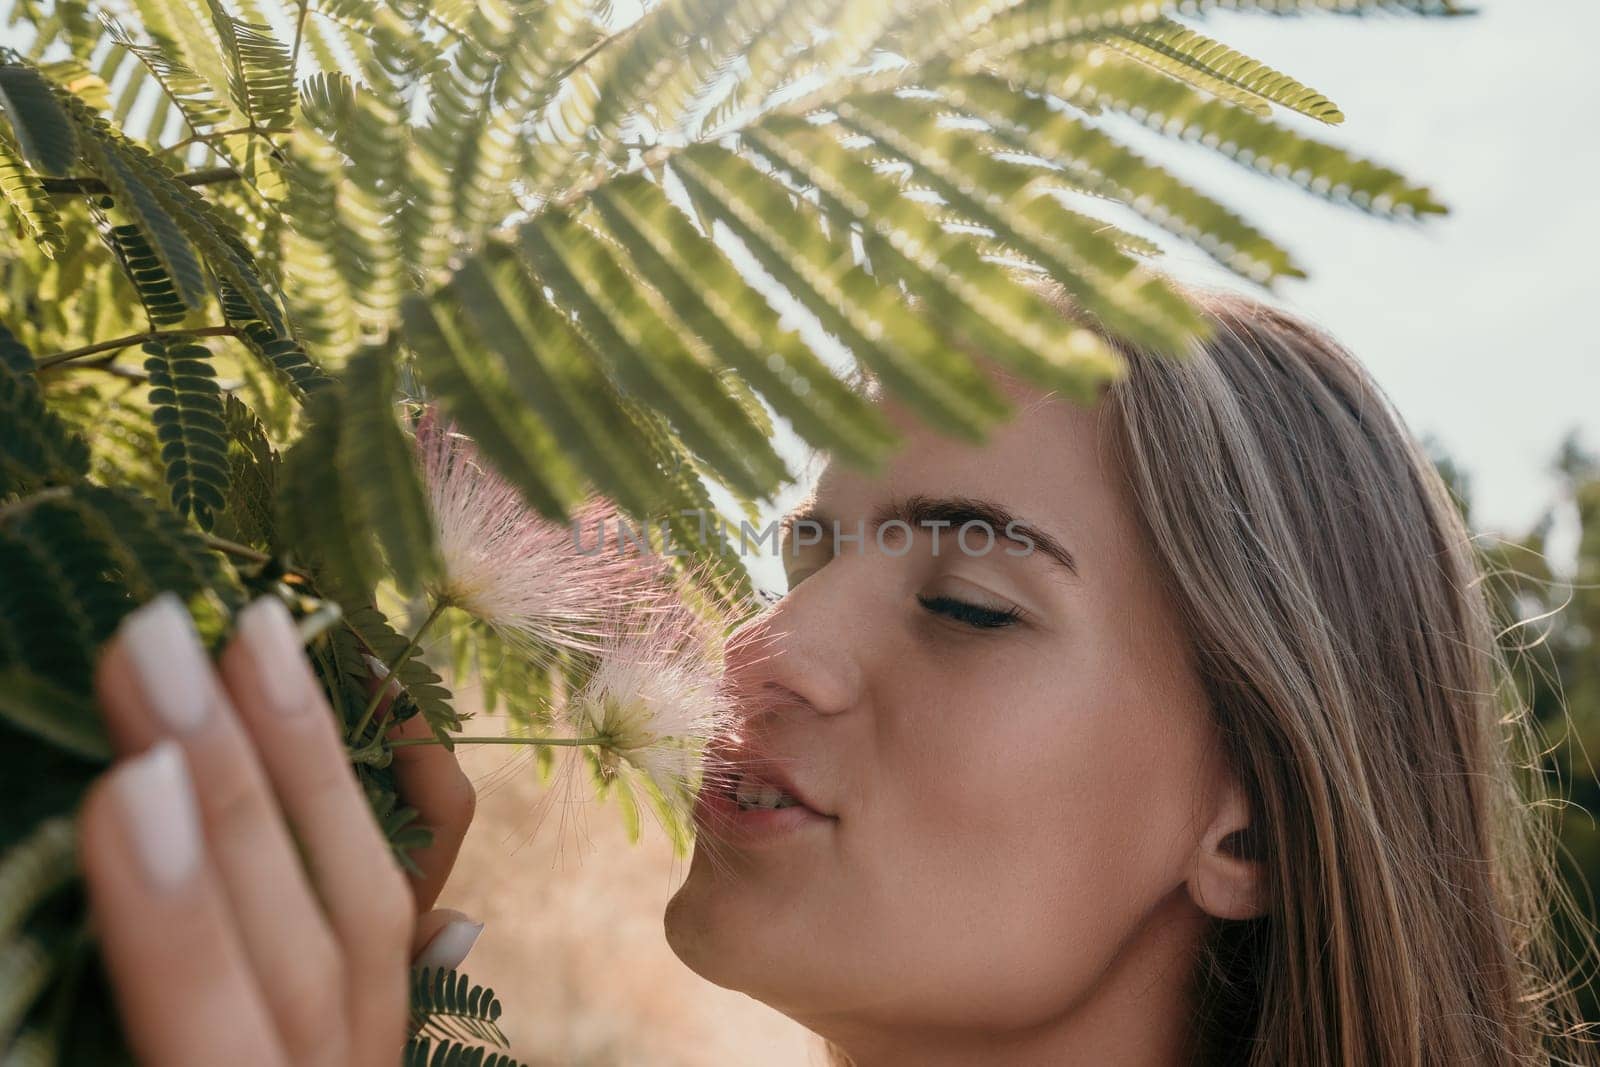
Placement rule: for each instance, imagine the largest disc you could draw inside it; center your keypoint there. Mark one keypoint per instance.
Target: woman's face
(1007, 761)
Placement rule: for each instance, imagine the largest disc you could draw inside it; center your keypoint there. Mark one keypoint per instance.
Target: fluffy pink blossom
(655, 700)
(525, 576)
(655, 695)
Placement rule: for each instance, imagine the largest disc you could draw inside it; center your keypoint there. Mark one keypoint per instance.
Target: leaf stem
(599, 46)
(116, 344)
(212, 135)
(233, 548)
(393, 670)
(597, 739)
(299, 38)
(92, 186)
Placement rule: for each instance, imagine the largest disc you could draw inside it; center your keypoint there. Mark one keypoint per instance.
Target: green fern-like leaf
(37, 448)
(34, 868)
(552, 369)
(476, 392)
(45, 627)
(1224, 71)
(1104, 166)
(423, 685)
(708, 294)
(321, 289)
(25, 969)
(43, 130)
(446, 1005)
(155, 550)
(282, 355)
(381, 464)
(24, 197)
(963, 167)
(260, 80)
(427, 1052)
(192, 96)
(993, 31)
(318, 515)
(947, 271)
(540, 43)
(51, 712)
(139, 262)
(778, 54)
(73, 561)
(188, 419)
(252, 479)
(181, 225)
(902, 350)
(113, 162)
(86, 560)
(635, 331)
(1095, 77)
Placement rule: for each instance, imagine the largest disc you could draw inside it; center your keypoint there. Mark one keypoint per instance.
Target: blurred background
(1477, 325)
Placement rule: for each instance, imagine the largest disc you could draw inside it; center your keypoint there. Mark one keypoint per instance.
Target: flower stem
(394, 671)
(598, 739)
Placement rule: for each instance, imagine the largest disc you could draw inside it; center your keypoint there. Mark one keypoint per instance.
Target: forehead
(1053, 464)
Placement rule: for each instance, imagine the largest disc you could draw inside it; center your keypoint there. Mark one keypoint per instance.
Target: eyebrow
(918, 510)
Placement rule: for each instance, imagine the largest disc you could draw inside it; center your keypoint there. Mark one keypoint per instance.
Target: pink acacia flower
(655, 700)
(654, 696)
(526, 577)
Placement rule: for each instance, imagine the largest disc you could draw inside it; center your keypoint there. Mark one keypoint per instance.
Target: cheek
(1052, 814)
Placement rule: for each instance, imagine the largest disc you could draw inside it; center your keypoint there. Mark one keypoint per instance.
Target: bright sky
(1473, 322)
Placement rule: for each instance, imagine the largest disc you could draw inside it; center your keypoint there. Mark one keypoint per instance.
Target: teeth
(752, 794)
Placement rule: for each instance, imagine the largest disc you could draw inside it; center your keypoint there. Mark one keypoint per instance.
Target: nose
(798, 654)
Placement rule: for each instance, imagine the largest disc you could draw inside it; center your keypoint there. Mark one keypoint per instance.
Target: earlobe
(1228, 877)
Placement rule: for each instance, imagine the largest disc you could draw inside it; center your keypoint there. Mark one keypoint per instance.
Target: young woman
(1169, 730)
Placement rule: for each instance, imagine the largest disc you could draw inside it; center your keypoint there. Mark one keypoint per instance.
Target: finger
(366, 895)
(180, 973)
(431, 780)
(155, 679)
(443, 938)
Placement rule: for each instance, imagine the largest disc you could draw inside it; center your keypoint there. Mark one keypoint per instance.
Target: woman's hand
(249, 908)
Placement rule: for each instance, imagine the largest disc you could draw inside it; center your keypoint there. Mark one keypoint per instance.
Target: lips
(748, 797)
(748, 776)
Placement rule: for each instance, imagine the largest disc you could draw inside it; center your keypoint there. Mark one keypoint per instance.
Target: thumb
(442, 939)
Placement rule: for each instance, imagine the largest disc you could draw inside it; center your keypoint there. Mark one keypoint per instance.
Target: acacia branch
(117, 344)
(94, 186)
(599, 46)
(233, 548)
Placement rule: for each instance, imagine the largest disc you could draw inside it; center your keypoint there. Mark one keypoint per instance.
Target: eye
(974, 615)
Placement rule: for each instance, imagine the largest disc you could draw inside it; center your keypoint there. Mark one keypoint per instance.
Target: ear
(1227, 880)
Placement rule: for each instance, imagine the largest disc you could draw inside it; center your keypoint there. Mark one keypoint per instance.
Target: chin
(733, 936)
(702, 931)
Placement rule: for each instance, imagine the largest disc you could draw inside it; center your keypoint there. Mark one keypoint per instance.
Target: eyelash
(979, 618)
(968, 614)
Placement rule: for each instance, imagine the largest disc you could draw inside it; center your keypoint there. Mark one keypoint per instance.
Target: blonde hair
(1338, 620)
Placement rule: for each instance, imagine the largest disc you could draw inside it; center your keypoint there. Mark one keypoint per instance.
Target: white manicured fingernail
(277, 654)
(173, 668)
(163, 825)
(380, 669)
(449, 946)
